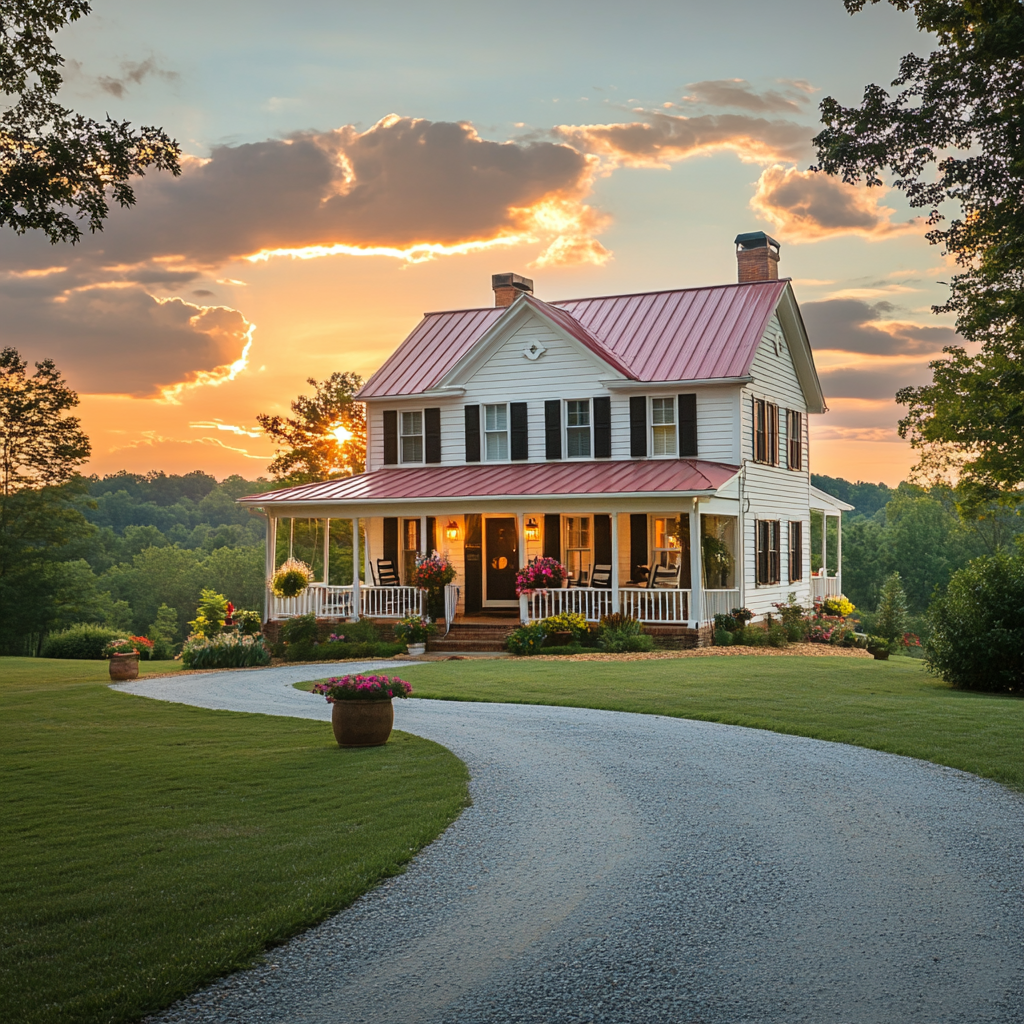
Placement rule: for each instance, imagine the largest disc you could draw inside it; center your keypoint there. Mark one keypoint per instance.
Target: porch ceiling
(568, 481)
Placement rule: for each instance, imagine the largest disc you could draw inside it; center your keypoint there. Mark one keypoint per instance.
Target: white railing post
(696, 570)
(615, 561)
(355, 569)
(270, 564)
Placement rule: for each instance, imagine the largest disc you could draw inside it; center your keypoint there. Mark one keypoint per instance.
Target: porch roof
(661, 478)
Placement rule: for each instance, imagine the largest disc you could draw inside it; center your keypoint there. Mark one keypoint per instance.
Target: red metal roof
(686, 334)
(515, 480)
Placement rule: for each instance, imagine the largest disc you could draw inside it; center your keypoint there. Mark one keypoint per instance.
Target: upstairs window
(796, 551)
(794, 440)
(496, 433)
(766, 432)
(663, 426)
(577, 429)
(768, 537)
(412, 436)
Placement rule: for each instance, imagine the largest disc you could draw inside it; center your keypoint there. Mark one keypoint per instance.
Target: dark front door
(501, 559)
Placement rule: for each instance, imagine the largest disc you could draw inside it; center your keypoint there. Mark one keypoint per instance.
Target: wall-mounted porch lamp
(532, 530)
(451, 531)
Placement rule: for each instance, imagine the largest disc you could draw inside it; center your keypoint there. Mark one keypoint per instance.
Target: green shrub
(362, 631)
(977, 638)
(796, 631)
(84, 640)
(563, 650)
(225, 650)
(211, 613)
(528, 639)
(299, 630)
(341, 650)
(568, 622)
(891, 616)
(723, 637)
(617, 641)
(248, 622)
(751, 636)
(778, 635)
(726, 623)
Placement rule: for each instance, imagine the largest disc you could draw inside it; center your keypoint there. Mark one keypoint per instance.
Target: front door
(501, 560)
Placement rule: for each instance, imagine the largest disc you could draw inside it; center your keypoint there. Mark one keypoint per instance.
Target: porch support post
(824, 543)
(291, 536)
(423, 537)
(355, 570)
(367, 574)
(839, 552)
(615, 561)
(327, 552)
(696, 579)
(524, 601)
(270, 565)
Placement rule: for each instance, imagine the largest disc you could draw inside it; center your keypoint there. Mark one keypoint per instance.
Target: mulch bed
(793, 650)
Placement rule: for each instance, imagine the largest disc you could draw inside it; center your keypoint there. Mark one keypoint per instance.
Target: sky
(350, 166)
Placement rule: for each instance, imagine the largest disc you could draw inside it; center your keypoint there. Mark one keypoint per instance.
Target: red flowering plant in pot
(433, 574)
(362, 714)
(124, 656)
(540, 574)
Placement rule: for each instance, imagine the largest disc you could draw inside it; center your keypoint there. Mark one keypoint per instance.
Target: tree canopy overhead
(56, 166)
(326, 437)
(953, 135)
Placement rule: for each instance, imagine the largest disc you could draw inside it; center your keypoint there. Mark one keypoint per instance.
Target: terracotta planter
(878, 653)
(124, 667)
(362, 723)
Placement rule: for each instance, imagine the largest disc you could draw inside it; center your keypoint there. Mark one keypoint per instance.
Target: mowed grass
(147, 848)
(889, 705)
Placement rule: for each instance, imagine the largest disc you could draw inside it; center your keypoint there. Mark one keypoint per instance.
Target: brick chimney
(507, 287)
(757, 257)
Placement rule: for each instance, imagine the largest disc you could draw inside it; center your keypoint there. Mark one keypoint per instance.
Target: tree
(892, 611)
(57, 166)
(952, 134)
(326, 438)
(40, 450)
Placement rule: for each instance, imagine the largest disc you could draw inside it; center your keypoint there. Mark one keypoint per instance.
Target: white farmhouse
(609, 433)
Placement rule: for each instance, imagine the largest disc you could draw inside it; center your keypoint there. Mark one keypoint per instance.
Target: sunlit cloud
(421, 252)
(151, 439)
(806, 206)
(208, 378)
(227, 427)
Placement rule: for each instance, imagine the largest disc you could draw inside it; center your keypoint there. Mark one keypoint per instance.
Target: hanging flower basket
(540, 574)
(291, 579)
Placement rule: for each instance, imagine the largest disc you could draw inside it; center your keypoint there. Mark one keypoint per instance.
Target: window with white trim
(496, 432)
(663, 426)
(577, 429)
(767, 534)
(411, 436)
(577, 545)
(794, 439)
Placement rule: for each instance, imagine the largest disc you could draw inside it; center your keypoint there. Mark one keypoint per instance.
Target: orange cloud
(806, 206)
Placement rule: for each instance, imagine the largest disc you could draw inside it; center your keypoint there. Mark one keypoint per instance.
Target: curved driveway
(622, 868)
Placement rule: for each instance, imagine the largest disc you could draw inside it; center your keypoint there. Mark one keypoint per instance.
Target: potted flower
(878, 647)
(362, 714)
(413, 632)
(124, 656)
(291, 579)
(540, 574)
(433, 574)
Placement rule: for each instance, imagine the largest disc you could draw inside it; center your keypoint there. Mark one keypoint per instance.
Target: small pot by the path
(124, 667)
(417, 649)
(362, 723)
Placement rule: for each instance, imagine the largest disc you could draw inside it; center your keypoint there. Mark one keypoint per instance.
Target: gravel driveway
(622, 868)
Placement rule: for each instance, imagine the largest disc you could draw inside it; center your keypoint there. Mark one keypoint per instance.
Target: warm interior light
(452, 530)
(532, 529)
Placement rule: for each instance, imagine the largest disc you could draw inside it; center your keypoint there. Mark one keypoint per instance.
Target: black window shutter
(638, 427)
(553, 536)
(761, 536)
(432, 434)
(520, 441)
(602, 540)
(472, 433)
(687, 426)
(431, 535)
(390, 437)
(553, 429)
(637, 546)
(474, 576)
(602, 428)
(776, 538)
(391, 542)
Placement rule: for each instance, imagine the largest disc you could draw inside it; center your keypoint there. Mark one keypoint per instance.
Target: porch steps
(471, 636)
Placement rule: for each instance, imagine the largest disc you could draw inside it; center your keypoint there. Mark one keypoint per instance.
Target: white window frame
(589, 427)
(578, 558)
(507, 431)
(402, 435)
(652, 426)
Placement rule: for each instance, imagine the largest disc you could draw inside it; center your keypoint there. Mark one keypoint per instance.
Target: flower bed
(360, 687)
(225, 650)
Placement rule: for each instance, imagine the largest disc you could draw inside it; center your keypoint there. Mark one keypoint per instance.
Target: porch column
(824, 543)
(355, 570)
(327, 552)
(291, 536)
(615, 561)
(270, 564)
(839, 553)
(367, 572)
(524, 601)
(696, 565)
(423, 537)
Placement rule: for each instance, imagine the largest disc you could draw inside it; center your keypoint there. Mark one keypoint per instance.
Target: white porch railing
(336, 603)
(390, 602)
(656, 605)
(719, 602)
(825, 586)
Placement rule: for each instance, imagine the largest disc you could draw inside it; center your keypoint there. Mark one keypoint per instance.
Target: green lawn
(146, 848)
(889, 705)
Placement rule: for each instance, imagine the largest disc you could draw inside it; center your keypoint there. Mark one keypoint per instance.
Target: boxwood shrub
(85, 640)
